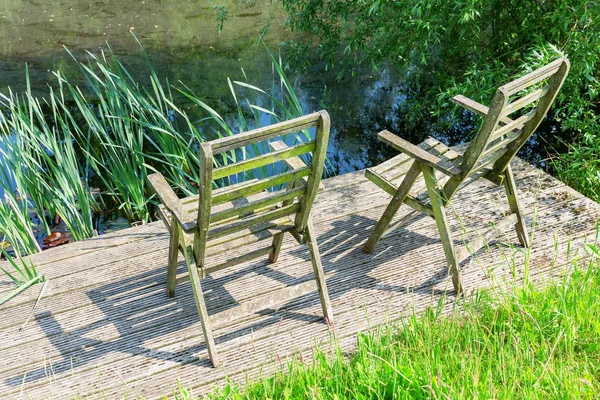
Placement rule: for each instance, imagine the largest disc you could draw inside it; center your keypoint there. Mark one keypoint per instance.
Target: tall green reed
(119, 131)
(44, 162)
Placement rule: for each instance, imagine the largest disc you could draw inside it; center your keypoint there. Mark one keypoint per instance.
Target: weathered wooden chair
(506, 127)
(216, 222)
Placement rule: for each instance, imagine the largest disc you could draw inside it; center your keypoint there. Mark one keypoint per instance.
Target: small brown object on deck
(244, 212)
(488, 156)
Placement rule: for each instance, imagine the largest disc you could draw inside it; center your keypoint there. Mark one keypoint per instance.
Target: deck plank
(105, 327)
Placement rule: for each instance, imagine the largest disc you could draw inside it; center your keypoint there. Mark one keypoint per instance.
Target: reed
(23, 276)
(118, 131)
(44, 163)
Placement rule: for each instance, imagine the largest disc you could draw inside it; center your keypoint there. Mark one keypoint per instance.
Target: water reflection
(181, 39)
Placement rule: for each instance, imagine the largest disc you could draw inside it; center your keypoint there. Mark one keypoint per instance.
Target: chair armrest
(477, 108)
(418, 153)
(292, 163)
(169, 199)
(471, 105)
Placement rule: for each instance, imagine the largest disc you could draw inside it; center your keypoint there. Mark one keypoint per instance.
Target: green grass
(535, 341)
(579, 167)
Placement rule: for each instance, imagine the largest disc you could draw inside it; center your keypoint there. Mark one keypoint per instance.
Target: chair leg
(315, 258)
(439, 212)
(201, 305)
(173, 255)
(515, 206)
(277, 241)
(393, 207)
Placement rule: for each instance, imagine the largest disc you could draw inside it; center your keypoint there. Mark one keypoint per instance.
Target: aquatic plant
(23, 276)
(44, 163)
(118, 131)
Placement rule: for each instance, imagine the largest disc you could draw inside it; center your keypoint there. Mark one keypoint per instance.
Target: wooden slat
(262, 160)
(261, 185)
(247, 209)
(223, 230)
(294, 162)
(517, 124)
(532, 78)
(500, 143)
(416, 152)
(194, 199)
(263, 134)
(526, 100)
(484, 162)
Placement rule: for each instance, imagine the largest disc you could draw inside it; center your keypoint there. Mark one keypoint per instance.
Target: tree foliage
(468, 47)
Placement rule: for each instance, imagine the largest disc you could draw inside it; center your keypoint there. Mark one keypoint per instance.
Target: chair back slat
(501, 136)
(264, 134)
(499, 145)
(526, 100)
(262, 184)
(516, 124)
(262, 160)
(245, 223)
(273, 196)
(248, 208)
(555, 75)
(534, 77)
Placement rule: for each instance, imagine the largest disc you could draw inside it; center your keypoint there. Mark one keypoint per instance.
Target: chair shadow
(135, 310)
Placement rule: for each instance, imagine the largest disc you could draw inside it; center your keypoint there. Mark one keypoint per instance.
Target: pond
(181, 39)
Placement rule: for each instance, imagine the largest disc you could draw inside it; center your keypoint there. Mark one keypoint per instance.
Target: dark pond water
(181, 39)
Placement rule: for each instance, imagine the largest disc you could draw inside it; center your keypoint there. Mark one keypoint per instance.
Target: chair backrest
(516, 111)
(248, 203)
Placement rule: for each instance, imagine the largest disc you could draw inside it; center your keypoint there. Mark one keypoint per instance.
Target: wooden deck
(105, 328)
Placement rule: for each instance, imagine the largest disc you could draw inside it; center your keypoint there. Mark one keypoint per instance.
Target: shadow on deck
(106, 327)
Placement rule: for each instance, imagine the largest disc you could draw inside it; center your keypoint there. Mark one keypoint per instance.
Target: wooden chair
(218, 221)
(515, 113)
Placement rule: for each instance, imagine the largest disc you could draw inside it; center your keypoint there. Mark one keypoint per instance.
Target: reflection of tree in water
(367, 103)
